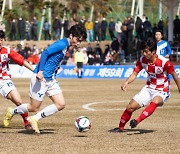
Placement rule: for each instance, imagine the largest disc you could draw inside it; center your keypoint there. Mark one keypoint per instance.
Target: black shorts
(79, 64)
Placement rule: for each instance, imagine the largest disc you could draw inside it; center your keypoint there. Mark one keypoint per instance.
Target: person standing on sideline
(79, 60)
(43, 80)
(7, 87)
(163, 47)
(157, 89)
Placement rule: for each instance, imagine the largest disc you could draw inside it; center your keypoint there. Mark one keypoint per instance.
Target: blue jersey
(163, 48)
(51, 59)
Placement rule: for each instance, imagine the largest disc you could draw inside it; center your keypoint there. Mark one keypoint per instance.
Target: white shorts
(38, 89)
(145, 96)
(6, 86)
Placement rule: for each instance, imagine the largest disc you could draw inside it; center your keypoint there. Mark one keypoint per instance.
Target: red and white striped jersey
(157, 72)
(5, 55)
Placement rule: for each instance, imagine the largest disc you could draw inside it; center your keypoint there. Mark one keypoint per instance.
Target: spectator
(147, 29)
(82, 21)
(90, 59)
(34, 29)
(46, 28)
(161, 25)
(12, 34)
(89, 49)
(65, 26)
(118, 28)
(89, 30)
(71, 23)
(130, 27)
(111, 28)
(177, 28)
(138, 27)
(97, 30)
(21, 28)
(155, 27)
(104, 25)
(2, 26)
(28, 30)
(26, 51)
(56, 28)
(98, 50)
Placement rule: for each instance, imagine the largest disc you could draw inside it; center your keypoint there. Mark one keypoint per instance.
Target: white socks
(21, 109)
(47, 111)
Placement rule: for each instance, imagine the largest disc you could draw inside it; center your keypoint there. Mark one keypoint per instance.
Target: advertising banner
(106, 71)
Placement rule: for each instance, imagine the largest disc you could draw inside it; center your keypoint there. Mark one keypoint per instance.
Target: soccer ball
(82, 124)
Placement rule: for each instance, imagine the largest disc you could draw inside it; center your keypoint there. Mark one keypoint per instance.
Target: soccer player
(163, 47)
(43, 81)
(157, 89)
(7, 88)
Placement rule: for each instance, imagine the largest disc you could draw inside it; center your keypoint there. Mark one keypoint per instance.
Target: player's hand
(123, 87)
(167, 56)
(40, 76)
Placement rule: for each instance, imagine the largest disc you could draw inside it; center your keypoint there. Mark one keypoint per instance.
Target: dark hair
(2, 34)
(78, 31)
(150, 44)
(159, 30)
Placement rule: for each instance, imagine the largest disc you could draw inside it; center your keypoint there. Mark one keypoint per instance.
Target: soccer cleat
(133, 123)
(34, 124)
(116, 130)
(28, 127)
(8, 117)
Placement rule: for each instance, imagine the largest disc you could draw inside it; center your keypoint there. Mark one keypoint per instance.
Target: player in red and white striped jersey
(157, 90)
(7, 88)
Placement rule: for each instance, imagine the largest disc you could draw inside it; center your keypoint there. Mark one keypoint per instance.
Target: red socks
(147, 112)
(24, 116)
(124, 118)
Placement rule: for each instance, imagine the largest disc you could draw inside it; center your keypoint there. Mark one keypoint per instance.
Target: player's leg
(125, 117)
(55, 94)
(9, 91)
(158, 98)
(34, 107)
(59, 104)
(15, 97)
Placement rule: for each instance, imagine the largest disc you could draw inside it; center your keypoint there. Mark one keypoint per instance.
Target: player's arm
(27, 65)
(131, 78)
(19, 59)
(169, 68)
(169, 51)
(176, 79)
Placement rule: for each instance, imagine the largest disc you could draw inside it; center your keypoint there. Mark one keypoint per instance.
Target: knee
(130, 108)
(60, 106)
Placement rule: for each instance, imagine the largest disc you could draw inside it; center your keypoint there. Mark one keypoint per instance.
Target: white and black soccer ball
(82, 124)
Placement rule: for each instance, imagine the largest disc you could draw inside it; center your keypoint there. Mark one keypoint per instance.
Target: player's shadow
(42, 131)
(15, 127)
(82, 135)
(133, 131)
(138, 131)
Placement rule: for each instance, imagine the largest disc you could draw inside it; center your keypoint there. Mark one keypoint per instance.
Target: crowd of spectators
(31, 54)
(129, 32)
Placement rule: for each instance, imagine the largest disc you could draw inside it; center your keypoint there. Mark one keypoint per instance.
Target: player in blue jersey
(163, 47)
(43, 81)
